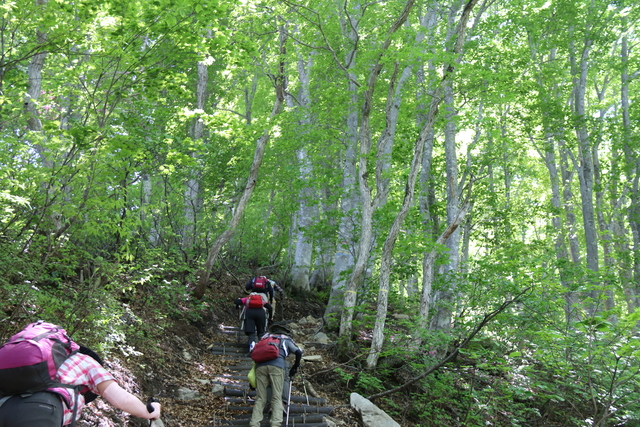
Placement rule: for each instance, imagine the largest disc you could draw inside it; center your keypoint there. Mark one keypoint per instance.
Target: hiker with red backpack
(264, 285)
(270, 355)
(46, 379)
(257, 314)
(268, 287)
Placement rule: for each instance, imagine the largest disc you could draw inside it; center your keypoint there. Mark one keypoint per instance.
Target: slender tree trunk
(468, 223)
(604, 225)
(425, 134)
(584, 166)
(384, 152)
(632, 165)
(345, 246)
(222, 239)
(192, 200)
(427, 197)
(324, 248)
(307, 212)
(147, 218)
(36, 134)
(444, 299)
(369, 201)
(553, 131)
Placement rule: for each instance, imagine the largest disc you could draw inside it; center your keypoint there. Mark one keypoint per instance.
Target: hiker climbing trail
(303, 410)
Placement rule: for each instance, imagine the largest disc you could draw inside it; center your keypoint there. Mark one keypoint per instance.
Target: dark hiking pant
(255, 324)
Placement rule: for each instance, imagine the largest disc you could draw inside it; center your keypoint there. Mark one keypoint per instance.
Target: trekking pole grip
(150, 407)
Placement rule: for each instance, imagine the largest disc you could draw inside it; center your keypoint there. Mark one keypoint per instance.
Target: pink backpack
(30, 359)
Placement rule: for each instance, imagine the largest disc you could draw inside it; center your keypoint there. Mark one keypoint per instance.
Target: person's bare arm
(122, 399)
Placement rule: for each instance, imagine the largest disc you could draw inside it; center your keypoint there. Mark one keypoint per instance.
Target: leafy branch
(485, 320)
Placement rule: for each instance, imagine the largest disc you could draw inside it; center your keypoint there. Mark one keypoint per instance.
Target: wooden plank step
(218, 345)
(293, 409)
(231, 351)
(243, 385)
(297, 399)
(304, 411)
(231, 330)
(265, 423)
(300, 417)
(245, 364)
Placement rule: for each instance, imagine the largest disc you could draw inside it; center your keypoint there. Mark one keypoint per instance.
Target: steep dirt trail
(304, 410)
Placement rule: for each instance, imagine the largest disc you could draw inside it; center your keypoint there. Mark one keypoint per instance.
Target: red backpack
(260, 283)
(255, 300)
(266, 349)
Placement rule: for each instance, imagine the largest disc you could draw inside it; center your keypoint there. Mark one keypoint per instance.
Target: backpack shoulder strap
(4, 399)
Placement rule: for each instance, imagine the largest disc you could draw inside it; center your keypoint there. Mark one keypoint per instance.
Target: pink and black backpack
(30, 359)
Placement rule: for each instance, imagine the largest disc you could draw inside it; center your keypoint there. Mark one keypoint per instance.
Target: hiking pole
(242, 316)
(288, 402)
(153, 423)
(304, 385)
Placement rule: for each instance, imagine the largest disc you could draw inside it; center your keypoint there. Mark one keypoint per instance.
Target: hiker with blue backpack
(46, 379)
(270, 355)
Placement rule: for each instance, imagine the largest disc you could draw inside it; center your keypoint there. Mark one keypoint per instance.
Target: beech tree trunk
(307, 212)
(584, 166)
(192, 201)
(369, 201)
(384, 153)
(443, 299)
(258, 155)
(387, 251)
(558, 178)
(427, 197)
(632, 163)
(34, 125)
(345, 246)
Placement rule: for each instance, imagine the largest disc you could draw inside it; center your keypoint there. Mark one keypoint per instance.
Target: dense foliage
(424, 163)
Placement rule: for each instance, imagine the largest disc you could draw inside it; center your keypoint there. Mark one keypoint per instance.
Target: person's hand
(293, 371)
(155, 414)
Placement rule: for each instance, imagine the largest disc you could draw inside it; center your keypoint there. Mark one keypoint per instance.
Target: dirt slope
(180, 360)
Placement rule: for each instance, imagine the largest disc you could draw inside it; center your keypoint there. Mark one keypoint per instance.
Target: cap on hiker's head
(280, 328)
(91, 353)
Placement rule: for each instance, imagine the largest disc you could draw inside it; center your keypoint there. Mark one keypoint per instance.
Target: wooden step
(293, 409)
(318, 401)
(265, 423)
(230, 344)
(304, 411)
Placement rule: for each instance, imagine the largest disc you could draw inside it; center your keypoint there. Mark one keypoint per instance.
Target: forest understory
(176, 356)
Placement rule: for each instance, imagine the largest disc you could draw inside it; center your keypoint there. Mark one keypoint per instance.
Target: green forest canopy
(434, 158)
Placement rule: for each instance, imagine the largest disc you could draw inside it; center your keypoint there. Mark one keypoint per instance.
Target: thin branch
(487, 318)
(333, 367)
